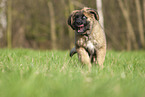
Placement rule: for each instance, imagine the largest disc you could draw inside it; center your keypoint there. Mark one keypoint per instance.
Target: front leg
(101, 53)
(84, 57)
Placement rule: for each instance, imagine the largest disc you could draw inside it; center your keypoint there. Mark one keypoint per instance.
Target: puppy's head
(83, 20)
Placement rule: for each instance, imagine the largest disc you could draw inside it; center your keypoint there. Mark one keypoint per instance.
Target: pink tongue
(81, 25)
(80, 30)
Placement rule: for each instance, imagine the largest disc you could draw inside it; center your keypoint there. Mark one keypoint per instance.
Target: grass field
(29, 73)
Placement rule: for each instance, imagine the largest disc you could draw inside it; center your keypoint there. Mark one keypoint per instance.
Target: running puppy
(90, 40)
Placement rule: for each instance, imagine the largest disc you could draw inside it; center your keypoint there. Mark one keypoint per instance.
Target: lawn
(34, 73)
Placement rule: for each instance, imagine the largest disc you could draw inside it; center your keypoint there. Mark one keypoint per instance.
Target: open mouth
(81, 28)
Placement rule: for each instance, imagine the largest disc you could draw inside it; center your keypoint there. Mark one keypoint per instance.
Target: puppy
(90, 40)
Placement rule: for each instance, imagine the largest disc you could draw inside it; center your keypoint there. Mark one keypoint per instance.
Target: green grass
(29, 73)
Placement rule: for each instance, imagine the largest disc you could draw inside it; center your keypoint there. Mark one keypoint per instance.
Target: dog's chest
(81, 41)
(90, 45)
(85, 42)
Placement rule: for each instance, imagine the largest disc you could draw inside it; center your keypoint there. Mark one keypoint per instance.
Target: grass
(29, 73)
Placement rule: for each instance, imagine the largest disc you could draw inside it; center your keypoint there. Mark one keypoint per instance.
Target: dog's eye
(84, 17)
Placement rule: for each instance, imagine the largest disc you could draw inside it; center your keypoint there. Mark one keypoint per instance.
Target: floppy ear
(70, 20)
(94, 12)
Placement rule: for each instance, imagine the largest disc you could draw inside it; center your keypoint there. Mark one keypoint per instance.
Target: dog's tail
(73, 51)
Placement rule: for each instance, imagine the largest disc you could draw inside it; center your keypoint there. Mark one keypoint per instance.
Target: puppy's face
(82, 20)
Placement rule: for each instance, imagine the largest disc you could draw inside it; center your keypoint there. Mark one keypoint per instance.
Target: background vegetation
(42, 24)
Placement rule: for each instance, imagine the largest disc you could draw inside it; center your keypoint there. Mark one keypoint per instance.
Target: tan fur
(97, 37)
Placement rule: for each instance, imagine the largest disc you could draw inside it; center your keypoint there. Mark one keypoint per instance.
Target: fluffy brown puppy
(90, 40)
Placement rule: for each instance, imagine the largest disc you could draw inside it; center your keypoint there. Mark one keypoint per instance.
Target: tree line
(42, 24)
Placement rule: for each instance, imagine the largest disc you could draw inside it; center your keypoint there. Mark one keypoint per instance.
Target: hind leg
(73, 51)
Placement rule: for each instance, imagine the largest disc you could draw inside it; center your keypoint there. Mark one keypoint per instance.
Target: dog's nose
(79, 22)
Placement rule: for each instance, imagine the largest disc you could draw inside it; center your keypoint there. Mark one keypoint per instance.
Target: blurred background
(42, 24)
